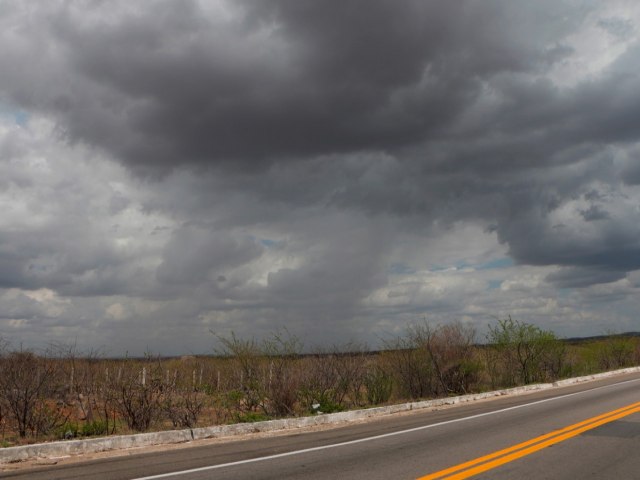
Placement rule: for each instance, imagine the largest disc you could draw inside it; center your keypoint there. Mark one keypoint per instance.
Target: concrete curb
(77, 447)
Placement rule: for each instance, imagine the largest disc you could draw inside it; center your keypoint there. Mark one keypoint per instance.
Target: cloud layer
(338, 168)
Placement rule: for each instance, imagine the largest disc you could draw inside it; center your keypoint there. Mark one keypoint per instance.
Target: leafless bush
(282, 353)
(350, 362)
(184, 395)
(183, 408)
(83, 375)
(410, 364)
(29, 392)
(137, 394)
(321, 384)
(451, 349)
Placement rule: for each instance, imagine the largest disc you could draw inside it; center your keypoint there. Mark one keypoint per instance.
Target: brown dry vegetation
(62, 394)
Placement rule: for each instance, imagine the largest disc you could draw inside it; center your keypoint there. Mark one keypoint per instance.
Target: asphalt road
(587, 431)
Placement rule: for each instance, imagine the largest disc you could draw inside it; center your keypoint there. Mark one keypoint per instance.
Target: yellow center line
(500, 457)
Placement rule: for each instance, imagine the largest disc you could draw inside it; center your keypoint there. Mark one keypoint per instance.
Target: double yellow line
(495, 459)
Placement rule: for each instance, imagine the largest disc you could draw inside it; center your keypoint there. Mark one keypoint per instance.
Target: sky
(172, 171)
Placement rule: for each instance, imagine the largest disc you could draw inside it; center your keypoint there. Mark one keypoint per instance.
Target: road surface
(586, 431)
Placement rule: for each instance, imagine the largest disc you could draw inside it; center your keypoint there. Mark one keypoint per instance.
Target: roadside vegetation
(63, 393)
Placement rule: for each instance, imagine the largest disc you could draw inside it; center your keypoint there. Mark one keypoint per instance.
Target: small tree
(518, 352)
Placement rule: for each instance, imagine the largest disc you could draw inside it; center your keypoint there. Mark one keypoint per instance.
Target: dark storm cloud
(603, 253)
(576, 277)
(174, 84)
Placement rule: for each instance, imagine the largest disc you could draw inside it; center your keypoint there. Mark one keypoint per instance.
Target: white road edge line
(375, 437)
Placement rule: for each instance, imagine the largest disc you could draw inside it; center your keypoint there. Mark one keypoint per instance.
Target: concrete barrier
(118, 442)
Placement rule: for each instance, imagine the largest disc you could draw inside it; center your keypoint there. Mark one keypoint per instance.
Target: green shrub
(379, 386)
(97, 427)
(67, 431)
(251, 417)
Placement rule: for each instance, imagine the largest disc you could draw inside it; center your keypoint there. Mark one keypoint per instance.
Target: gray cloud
(620, 28)
(195, 254)
(594, 213)
(576, 277)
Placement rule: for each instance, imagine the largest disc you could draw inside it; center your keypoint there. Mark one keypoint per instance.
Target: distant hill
(595, 338)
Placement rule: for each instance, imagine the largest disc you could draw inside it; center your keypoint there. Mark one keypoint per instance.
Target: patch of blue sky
(494, 284)
(462, 264)
(267, 242)
(497, 263)
(21, 118)
(442, 268)
(401, 269)
(438, 268)
(18, 116)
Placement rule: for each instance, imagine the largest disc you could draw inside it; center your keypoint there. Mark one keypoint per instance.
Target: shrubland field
(64, 393)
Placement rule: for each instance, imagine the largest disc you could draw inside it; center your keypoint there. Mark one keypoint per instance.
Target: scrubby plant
(282, 351)
(321, 384)
(248, 372)
(94, 428)
(522, 353)
(30, 393)
(410, 364)
(183, 408)
(379, 385)
(451, 349)
(137, 393)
